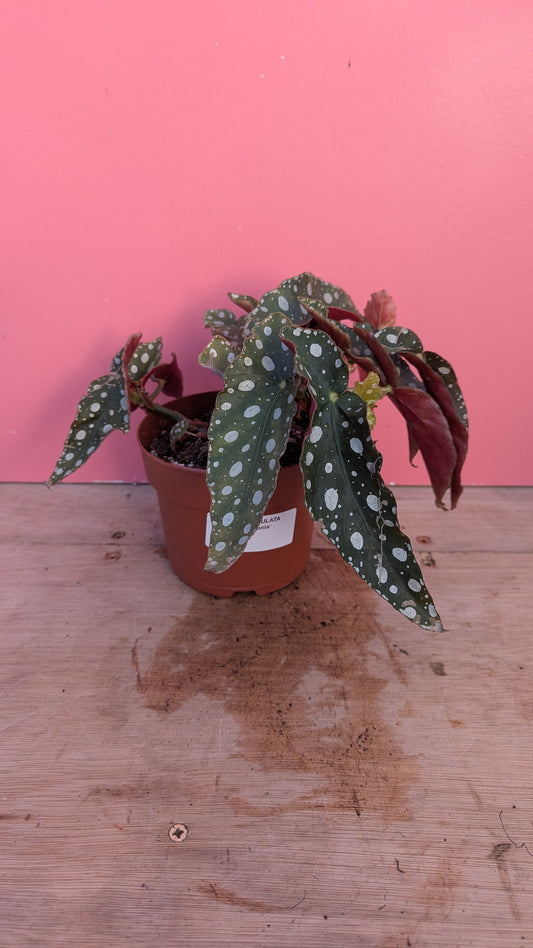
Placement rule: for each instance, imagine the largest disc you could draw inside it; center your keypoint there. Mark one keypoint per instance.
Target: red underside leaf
(384, 365)
(348, 315)
(127, 353)
(171, 375)
(429, 430)
(436, 387)
(334, 330)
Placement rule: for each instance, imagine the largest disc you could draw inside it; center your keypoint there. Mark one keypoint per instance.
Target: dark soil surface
(192, 449)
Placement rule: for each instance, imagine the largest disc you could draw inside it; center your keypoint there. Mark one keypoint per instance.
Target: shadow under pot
(274, 556)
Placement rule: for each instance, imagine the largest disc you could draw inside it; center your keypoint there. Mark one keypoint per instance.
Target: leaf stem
(146, 402)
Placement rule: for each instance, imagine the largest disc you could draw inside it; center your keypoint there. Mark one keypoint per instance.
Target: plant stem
(146, 402)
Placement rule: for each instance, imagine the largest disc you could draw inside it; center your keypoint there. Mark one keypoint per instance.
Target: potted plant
(302, 370)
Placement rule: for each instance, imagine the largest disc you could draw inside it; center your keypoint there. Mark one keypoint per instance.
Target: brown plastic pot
(184, 502)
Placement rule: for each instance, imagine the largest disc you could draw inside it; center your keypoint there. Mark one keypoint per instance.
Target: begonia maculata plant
(303, 351)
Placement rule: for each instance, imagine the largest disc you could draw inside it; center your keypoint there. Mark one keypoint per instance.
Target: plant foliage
(290, 355)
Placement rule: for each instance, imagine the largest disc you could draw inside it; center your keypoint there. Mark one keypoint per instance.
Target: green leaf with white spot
(223, 322)
(218, 355)
(399, 339)
(343, 488)
(359, 342)
(102, 410)
(276, 302)
(117, 360)
(248, 433)
(316, 308)
(287, 299)
(443, 368)
(310, 286)
(247, 303)
(146, 356)
(178, 430)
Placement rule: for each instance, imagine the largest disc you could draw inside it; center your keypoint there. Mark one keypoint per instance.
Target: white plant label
(274, 531)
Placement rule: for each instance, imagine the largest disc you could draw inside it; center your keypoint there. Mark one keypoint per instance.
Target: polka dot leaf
(144, 359)
(359, 343)
(432, 405)
(343, 487)
(345, 337)
(248, 434)
(288, 298)
(102, 410)
(293, 351)
(218, 355)
(307, 285)
(223, 322)
(247, 303)
(442, 370)
(399, 339)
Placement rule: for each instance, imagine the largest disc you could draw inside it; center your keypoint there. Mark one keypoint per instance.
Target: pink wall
(157, 153)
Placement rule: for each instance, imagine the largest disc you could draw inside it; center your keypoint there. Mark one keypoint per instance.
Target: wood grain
(345, 779)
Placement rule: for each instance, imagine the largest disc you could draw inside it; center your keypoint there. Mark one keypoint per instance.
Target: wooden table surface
(346, 779)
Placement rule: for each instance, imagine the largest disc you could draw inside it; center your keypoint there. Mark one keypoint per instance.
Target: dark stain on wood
(283, 667)
(499, 854)
(161, 551)
(227, 897)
